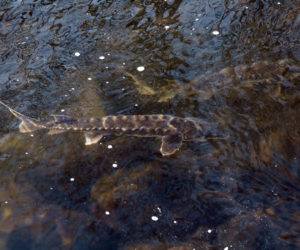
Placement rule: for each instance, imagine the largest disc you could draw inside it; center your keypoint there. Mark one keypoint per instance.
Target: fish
(172, 130)
(142, 87)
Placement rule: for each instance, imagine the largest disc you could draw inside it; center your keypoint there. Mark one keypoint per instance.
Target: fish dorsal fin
(170, 144)
(63, 118)
(92, 138)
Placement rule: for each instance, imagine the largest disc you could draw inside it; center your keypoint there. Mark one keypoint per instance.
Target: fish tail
(27, 124)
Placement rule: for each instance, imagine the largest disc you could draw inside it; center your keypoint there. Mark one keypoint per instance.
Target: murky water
(233, 63)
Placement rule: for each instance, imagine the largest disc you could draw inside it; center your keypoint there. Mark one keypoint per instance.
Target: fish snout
(213, 131)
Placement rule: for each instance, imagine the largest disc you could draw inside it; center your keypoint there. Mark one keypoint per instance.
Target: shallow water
(232, 63)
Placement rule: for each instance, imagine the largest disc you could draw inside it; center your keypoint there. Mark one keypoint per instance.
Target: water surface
(232, 63)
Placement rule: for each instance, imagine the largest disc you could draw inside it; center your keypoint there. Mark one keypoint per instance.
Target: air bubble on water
(140, 68)
(215, 32)
(90, 78)
(77, 54)
(107, 212)
(154, 218)
(109, 146)
(101, 57)
(209, 231)
(114, 165)
(72, 179)
(62, 110)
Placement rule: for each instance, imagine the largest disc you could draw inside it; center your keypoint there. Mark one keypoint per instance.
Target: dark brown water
(234, 63)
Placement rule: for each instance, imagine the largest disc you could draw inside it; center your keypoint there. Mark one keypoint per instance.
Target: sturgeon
(171, 129)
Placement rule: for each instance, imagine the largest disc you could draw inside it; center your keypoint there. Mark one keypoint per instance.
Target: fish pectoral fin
(170, 144)
(92, 138)
(56, 131)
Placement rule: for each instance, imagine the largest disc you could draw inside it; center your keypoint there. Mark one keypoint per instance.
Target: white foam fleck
(167, 27)
(114, 165)
(159, 209)
(154, 218)
(77, 53)
(31, 135)
(51, 188)
(278, 3)
(197, 19)
(109, 146)
(175, 221)
(209, 231)
(72, 179)
(136, 105)
(62, 110)
(26, 153)
(101, 57)
(90, 78)
(106, 67)
(107, 212)
(140, 68)
(215, 32)
(6, 202)
(225, 248)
